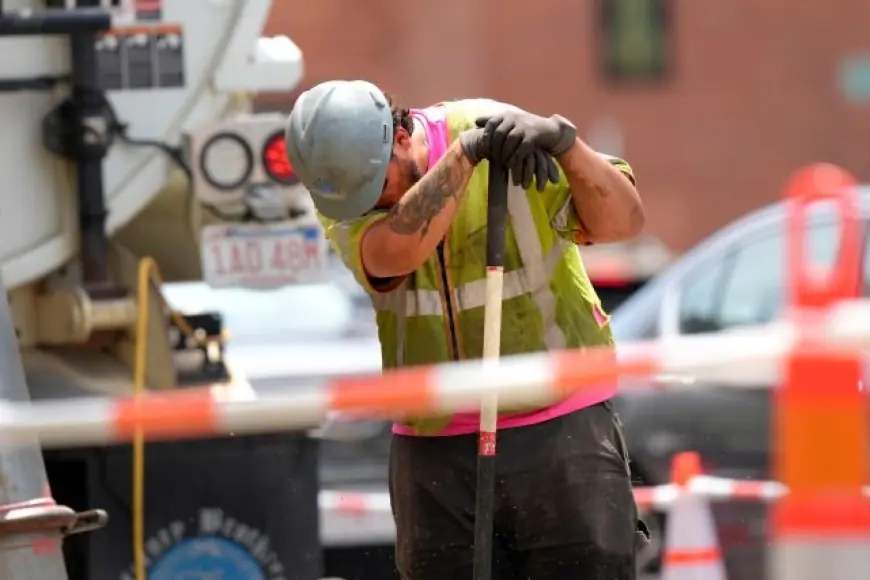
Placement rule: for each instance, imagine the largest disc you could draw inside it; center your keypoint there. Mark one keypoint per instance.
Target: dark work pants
(564, 503)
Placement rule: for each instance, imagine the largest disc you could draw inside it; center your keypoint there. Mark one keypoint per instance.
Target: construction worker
(402, 196)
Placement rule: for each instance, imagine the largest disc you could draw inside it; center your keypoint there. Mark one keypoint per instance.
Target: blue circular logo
(207, 558)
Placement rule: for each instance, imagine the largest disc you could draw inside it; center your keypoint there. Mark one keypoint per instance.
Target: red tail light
(275, 160)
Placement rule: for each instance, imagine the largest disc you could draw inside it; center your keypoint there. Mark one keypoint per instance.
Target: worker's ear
(402, 140)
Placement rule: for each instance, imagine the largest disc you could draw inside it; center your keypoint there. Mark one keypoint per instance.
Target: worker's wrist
(575, 148)
(470, 147)
(567, 135)
(581, 159)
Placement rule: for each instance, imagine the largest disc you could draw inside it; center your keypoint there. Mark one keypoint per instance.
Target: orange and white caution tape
(716, 489)
(657, 497)
(661, 497)
(354, 503)
(739, 357)
(353, 517)
(356, 518)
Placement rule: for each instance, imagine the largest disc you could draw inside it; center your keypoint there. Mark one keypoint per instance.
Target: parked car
(736, 277)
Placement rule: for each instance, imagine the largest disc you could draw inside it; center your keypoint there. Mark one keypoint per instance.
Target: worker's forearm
(607, 203)
(399, 244)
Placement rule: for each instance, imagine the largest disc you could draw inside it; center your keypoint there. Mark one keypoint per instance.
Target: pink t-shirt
(434, 121)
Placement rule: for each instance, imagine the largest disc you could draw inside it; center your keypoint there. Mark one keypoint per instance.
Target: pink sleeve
(434, 120)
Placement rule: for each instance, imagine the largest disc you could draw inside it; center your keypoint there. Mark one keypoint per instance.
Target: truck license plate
(262, 256)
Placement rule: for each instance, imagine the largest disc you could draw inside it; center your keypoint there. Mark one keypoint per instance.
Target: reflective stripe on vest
(533, 278)
(340, 237)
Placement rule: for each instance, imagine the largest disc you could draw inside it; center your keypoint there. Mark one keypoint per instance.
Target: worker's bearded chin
(413, 172)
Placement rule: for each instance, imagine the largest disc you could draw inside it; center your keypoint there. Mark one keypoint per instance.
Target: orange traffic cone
(691, 546)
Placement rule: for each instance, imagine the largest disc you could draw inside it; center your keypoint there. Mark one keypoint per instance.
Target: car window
(753, 289)
(699, 298)
(745, 285)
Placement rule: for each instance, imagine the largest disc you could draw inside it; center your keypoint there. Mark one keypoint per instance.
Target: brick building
(713, 103)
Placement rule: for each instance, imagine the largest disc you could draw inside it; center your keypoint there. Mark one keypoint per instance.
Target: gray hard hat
(339, 141)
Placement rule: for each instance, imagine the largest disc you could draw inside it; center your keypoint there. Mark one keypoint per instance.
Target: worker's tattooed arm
(607, 203)
(398, 244)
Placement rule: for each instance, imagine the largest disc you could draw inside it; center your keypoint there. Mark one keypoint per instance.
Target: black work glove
(516, 134)
(536, 164)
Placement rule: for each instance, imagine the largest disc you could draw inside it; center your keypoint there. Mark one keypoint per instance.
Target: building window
(636, 38)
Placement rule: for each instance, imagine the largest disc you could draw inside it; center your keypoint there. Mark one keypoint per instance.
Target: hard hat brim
(355, 204)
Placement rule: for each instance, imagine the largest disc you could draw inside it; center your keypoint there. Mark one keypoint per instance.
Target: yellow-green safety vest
(436, 314)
